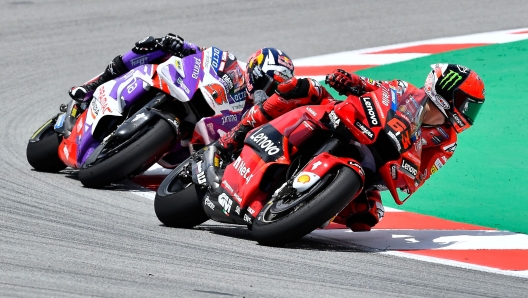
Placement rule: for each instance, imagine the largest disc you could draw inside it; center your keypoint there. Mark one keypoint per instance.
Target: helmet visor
(467, 106)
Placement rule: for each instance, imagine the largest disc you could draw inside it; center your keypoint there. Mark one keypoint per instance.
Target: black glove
(146, 45)
(172, 44)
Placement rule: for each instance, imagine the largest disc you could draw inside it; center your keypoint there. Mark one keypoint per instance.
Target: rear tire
(178, 201)
(43, 155)
(313, 212)
(139, 155)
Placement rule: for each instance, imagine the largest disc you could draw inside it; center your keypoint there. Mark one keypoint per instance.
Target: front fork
(66, 121)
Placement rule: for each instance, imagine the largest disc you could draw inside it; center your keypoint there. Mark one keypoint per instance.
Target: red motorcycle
(296, 173)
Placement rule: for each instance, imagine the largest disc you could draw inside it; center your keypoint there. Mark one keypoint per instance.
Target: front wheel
(288, 218)
(130, 157)
(178, 201)
(43, 152)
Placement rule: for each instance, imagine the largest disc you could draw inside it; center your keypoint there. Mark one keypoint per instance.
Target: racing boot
(365, 211)
(84, 92)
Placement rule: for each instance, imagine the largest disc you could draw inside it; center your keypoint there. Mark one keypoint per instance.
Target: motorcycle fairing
(384, 111)
(184, 76)
(223, 84)
(319, 166)
(241, 194)
(68, 148)
(110, 100)
(212, 128)
(403, 173)
(181, 75)
(398, 116)
(229, 196)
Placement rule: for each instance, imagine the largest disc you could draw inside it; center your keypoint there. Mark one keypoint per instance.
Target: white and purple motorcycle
(153, 113)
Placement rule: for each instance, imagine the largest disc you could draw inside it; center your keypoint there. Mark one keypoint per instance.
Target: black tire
(43, 155)
(178, 202)
(140, 154)
(313, 212)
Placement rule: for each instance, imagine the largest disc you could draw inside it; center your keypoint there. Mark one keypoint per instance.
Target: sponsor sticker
(409, 167)
(370, 111)
(225, 202)
(267, 142)
(241, 168)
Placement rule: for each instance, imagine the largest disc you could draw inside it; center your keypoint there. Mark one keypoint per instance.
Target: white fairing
(181, 91)
(103, 104)
(210, 79)
(164, 74)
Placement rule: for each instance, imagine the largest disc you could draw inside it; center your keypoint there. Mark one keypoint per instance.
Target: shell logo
(303, 179)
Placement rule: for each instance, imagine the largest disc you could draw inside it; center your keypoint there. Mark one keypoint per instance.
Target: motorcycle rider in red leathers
(456, 94)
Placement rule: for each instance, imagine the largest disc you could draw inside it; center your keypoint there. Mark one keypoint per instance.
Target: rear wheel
(43, 154)
(178, 201)
(289, 217)
(121, 160)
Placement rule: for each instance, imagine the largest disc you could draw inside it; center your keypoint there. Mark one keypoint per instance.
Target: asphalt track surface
(62, 240)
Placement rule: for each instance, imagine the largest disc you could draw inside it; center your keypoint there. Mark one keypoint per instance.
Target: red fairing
(311, 113)
(438, 145)
(325, 162)
(403, 173)
(365, 116)
(242, 178)
(157, 82)
(68, 147)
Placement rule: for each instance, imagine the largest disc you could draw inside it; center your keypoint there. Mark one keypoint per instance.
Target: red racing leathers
(438, 142)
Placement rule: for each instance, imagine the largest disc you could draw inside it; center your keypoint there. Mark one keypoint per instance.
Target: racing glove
(172, 43)
(146, 45)
(176, 45)
(344, 82)
(304, 91)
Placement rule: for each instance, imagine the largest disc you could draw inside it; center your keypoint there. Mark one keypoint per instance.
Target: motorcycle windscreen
(403, 126)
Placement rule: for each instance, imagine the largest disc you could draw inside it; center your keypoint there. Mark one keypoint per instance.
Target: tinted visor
(467, 106)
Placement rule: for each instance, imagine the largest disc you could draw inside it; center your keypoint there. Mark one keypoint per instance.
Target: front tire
(178, 201)
(43, 154)
(137, 156)
(275, 229)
